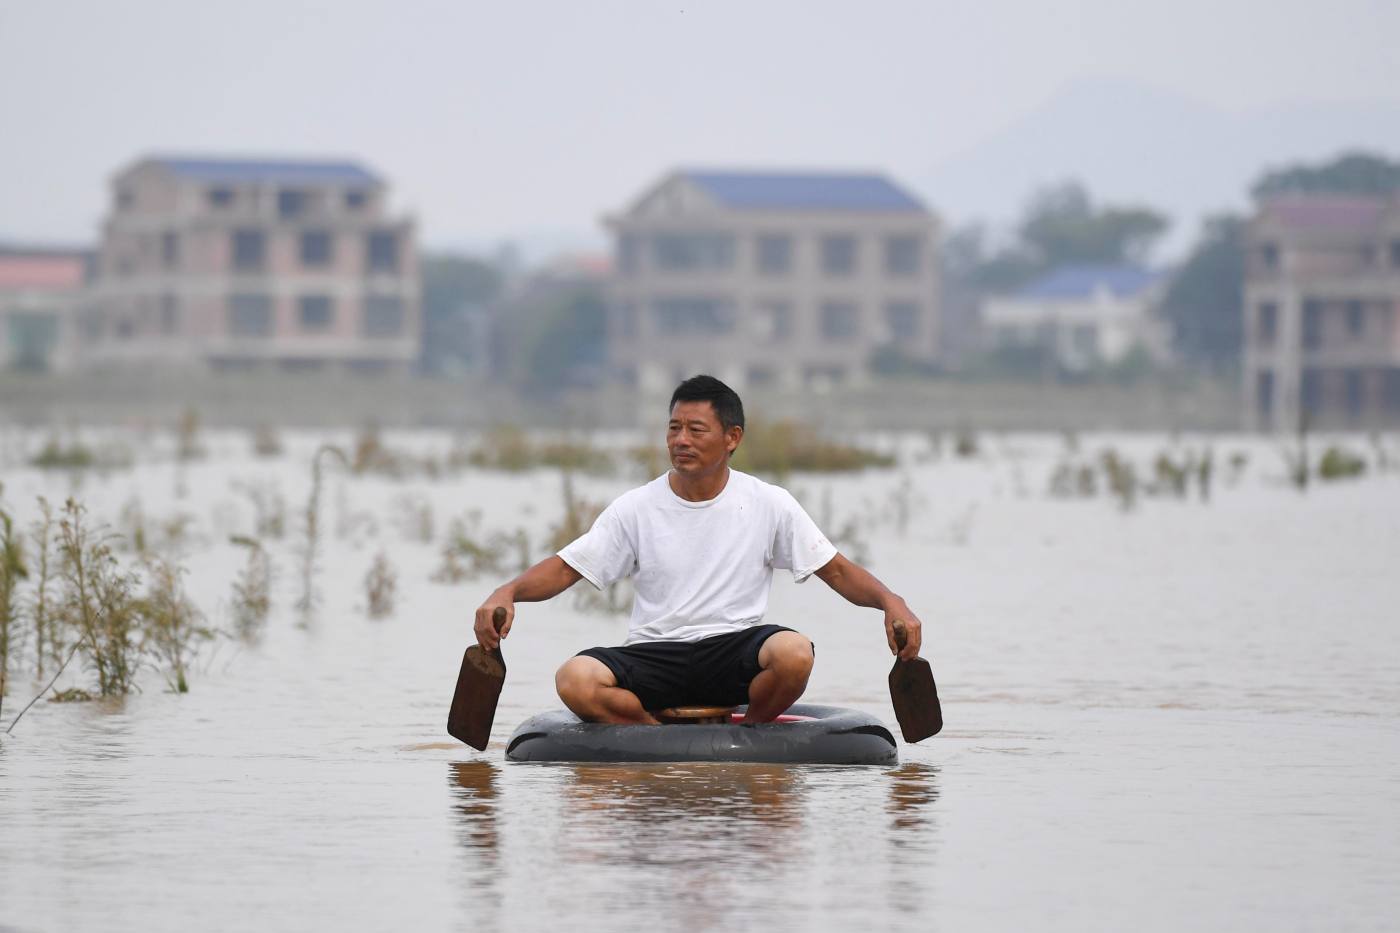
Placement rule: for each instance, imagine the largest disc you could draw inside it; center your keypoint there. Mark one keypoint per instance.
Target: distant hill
(1130, 142)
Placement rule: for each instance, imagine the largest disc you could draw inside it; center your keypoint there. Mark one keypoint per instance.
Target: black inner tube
(833, 735)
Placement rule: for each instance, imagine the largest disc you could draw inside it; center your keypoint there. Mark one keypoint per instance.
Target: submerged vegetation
(118, 602)
(781, 448)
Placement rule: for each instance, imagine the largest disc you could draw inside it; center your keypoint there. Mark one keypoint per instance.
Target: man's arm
(859, 586)
(545, 580)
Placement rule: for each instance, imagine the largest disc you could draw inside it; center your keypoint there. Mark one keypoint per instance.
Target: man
(701, 543)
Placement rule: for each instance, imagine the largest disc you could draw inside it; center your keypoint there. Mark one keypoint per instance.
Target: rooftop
(42, 270)
(276, 171)
(1329, 212)
(1088, 279)
(803, 191)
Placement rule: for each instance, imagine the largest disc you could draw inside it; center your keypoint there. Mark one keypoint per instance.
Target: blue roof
(1086, 280)
(803, 191)
(258, 170)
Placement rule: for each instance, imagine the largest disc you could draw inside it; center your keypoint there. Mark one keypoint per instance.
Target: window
(249, 250)
(383, 316)
(1268, 255)
(249, 315)
(170, 249)
(220, 197)
(169, 314)
(772, 320)
(760, 376)
(902, 255)
(840, 320)
(839, 255)
(291, 203)
(684, 252)
(1268, 323)
(1395, 252)
(1368, 255)
(774, 254)
(691, 315)
(1264, 392)
(1353, 389)
(356, 198)
(315, 248)
(1356, 318)
(126, 199)
(314, 312)
(902, 319)
(383, 251)
(1312, 324)
(1311, 391)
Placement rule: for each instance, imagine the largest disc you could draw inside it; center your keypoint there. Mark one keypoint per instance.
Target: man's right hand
(485, 628)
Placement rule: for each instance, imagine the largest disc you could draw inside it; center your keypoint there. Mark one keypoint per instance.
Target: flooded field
(1164, 711)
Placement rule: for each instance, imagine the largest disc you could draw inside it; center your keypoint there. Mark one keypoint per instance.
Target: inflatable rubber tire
(826, 735)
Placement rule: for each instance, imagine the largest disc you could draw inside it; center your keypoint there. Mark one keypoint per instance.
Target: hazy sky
(508, 119)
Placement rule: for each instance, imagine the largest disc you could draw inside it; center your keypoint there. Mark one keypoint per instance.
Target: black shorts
(714, 671)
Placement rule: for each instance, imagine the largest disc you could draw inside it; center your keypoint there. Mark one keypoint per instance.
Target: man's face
(695, 440)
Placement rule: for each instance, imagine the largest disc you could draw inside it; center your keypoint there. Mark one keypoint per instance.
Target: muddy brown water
(1183, 716)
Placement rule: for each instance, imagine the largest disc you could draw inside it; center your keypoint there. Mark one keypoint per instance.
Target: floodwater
(1183, 716)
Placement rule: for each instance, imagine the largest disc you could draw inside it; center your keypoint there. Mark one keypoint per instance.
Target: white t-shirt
(699, 568)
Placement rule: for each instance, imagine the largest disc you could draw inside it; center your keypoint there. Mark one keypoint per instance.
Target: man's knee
(789, 654)
(579, 677)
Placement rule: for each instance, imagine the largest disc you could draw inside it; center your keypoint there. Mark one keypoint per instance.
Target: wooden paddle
(478, 687)
(913, 693)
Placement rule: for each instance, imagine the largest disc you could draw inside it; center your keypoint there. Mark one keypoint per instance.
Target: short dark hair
(709, 389)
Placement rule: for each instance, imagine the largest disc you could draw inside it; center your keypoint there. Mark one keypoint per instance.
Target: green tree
(1355, 173)
(1204, 299)
(1060, 225)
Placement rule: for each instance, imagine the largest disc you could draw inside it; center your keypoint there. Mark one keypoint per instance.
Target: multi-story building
(771, 279)
(1322, 312)
(240, 262)
(42, 293)
(1082, 316)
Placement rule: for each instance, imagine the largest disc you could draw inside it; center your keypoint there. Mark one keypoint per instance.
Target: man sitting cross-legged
(700, 543)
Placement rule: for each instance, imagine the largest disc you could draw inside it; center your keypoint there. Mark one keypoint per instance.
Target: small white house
(1086, 314)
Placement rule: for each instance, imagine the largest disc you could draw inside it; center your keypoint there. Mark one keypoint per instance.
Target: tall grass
(252, 590)
(47, 646)
(172, 625)
(780, 448)
(97, 602)
(311, 540)
(12, 570)
(381, 582)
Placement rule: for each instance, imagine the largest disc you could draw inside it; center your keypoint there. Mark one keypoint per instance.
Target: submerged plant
(252, 590)
(269, 508)
(12, 570)
(381, 580)
(46, 642)
(312, 528)
(97, 603)
(266, 443)
(187, 443)
(781, 447)
(468, 553)
(1340, 463)
(173, 625)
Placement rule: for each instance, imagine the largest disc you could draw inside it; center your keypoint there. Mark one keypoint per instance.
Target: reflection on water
(703, 846)
(913, 788)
